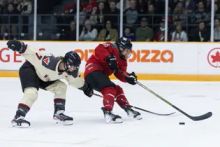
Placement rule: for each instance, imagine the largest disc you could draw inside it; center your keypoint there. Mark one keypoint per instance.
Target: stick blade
(165, 114)
(201, 117)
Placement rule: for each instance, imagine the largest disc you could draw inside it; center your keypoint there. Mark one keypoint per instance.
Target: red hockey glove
(131, 78)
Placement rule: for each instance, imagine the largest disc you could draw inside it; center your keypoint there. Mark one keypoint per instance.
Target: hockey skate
(132, 113)
(20, 122)
(110, 117)
(62, 118)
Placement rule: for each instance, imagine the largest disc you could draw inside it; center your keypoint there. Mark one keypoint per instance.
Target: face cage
(71, 69)
(125, 51)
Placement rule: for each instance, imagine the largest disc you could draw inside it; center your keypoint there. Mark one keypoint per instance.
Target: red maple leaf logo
(46, 60)
(216, 57)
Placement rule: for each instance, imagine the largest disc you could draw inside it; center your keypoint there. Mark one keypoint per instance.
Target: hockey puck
(181, 123)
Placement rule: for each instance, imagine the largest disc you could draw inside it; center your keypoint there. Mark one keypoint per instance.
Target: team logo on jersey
(214, 57)
(46, 60)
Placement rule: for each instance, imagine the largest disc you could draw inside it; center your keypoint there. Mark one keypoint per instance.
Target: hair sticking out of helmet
(72, 62)
(124, 43)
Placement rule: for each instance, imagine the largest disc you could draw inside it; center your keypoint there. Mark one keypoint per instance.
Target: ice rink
(90, 130)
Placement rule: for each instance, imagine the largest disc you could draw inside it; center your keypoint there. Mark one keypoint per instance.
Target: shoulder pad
(107, 44)
(50, 62)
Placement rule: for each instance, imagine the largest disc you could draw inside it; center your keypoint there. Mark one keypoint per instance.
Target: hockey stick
(195, 118)
(160, 114)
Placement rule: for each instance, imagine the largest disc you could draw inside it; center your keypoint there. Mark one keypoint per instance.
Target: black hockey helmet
(72, 61)
(124, 43)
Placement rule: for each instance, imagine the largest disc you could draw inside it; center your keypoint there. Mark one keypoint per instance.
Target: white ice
(90, 130)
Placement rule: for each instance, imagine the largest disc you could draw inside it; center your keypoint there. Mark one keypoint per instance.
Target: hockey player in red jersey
(109, 58)
(44, 71)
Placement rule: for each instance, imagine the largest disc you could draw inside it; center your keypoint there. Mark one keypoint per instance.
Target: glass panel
(189, 20)
(56, 20)
(16, 19)
(144, 20)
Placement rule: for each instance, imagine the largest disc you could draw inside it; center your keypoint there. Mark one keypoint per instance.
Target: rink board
(150, 60)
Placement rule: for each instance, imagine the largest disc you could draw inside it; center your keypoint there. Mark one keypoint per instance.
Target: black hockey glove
(16, 45)
(131, 78)
(111, 60)
(87, 89)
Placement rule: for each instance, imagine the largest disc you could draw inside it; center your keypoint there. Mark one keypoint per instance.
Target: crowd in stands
(143, 20)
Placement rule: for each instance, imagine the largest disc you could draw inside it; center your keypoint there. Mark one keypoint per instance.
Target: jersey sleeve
(33, 56)
(121, 74)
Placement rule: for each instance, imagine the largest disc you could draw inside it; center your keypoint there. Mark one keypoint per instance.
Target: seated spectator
(190, 6)
(142, 7)
(93, 16)
(201, 14)
(179, 12)
(82, 16)
(89, 5)
(160, 33)
(88, 32)
(131, 14)
(217, 7)
(201, 34)
(151, 17)
(2, 6)
(108, 33)
(100, 14)
(97, 15)
(10, 23)
(217, 30)
(144, 33)
(25, 7)
(112, 13)
(70, 33)
(129, 34)
(179, 34)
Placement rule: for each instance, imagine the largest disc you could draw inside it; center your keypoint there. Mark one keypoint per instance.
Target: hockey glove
(131, 78)
(87, 89)
(16, 45)
(111, 60)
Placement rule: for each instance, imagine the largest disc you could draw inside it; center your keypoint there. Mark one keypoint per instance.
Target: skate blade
(117, 121)
(23, 125)
(64, 123)
(138, 117)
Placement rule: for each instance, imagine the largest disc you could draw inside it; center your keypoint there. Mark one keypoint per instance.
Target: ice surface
(90, 130)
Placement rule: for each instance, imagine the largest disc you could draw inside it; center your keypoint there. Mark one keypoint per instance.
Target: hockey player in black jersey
(45, 71)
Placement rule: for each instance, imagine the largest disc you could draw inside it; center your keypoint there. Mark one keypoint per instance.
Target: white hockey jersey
(46, 67)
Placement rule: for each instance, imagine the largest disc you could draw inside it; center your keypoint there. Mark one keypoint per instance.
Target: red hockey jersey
(97, 62)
